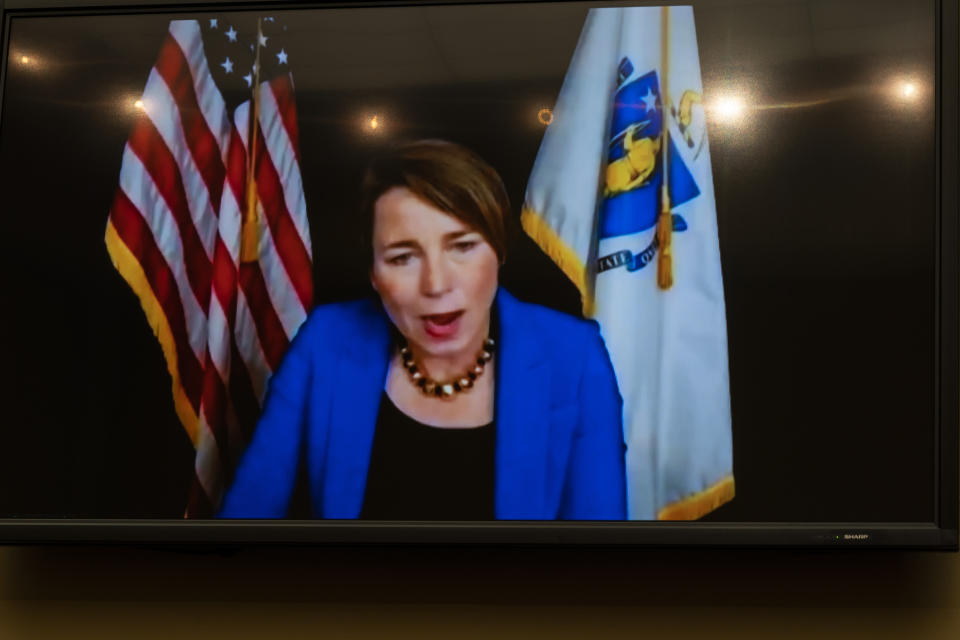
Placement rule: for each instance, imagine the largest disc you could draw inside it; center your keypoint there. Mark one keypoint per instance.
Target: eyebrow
(411, 244)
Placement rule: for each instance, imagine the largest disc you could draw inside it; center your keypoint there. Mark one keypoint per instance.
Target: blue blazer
(559, 439)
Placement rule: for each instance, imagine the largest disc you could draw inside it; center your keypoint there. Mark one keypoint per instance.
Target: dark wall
(443, 593)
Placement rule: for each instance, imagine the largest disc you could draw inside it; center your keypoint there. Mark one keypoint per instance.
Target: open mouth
(442, 325)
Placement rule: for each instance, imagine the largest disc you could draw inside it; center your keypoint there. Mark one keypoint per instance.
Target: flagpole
(665, 221)
(249, 249)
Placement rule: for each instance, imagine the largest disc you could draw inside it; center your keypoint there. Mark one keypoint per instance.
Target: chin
(451, 346)
(435, 347)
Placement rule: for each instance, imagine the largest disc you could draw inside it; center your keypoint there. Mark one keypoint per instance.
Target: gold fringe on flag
(701, 503)
(130, 269)
(561, 254)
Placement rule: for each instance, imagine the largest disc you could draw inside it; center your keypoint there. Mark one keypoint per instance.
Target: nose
(435, 277)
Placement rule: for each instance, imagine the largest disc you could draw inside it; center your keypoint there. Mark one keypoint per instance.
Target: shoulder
(547, 325)
(347, 312)
(572, 347)
(337, 323)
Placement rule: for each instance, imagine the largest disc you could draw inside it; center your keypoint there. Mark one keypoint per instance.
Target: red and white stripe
(178, 212)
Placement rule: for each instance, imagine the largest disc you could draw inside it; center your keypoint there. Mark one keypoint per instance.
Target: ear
(373, 281)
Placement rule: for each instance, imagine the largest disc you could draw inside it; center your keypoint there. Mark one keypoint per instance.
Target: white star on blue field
(650, 100)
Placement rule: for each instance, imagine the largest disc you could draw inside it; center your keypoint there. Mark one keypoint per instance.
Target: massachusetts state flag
(629, 118)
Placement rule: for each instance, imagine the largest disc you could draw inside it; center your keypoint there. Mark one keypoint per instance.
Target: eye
(464, 245)
(400, 259)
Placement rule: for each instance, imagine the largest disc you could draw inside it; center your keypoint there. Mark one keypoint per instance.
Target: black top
(419, 472)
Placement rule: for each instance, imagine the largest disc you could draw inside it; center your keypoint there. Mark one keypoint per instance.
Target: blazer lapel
(360, 371)
(521, 409)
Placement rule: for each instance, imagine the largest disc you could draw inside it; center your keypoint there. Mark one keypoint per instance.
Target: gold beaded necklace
(431, 387)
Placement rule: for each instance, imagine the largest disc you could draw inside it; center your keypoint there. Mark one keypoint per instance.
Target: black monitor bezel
(941, 534)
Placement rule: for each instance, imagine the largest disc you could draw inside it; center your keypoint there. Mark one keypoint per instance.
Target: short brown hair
(446, 175)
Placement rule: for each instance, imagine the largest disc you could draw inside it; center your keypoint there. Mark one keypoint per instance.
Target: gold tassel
(665, 240)
(249, 244)
(249, 233)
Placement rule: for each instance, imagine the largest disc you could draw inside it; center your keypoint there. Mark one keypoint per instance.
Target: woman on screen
(444, 397)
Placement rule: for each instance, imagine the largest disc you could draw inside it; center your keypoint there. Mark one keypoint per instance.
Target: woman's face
(437, 276)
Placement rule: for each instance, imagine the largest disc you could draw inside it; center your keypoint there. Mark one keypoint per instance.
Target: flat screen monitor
(508, 272)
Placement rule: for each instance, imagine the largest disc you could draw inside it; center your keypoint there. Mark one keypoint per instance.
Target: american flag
(224, 275)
